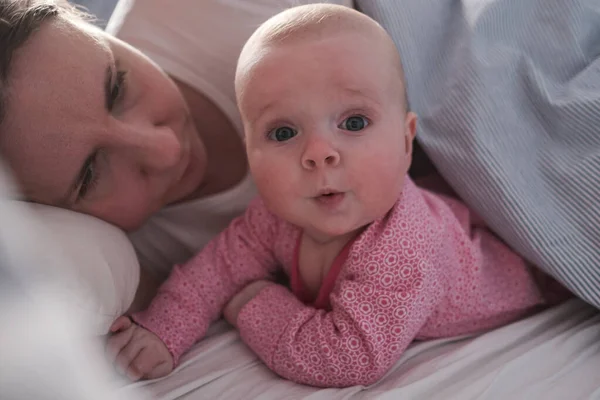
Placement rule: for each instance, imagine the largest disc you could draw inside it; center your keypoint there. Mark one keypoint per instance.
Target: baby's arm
(197, 291)
(373, 320)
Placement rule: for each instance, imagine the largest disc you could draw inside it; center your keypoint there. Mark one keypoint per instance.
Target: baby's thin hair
(312, 21)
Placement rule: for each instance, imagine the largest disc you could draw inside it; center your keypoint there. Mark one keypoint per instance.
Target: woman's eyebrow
(108, 80)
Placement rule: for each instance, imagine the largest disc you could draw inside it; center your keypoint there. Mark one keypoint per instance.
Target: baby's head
(329, 139)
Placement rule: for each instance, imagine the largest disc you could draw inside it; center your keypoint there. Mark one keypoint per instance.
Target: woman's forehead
(60, 53)
(55, 94)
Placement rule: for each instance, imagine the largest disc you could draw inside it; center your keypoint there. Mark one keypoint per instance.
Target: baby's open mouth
(330, 198)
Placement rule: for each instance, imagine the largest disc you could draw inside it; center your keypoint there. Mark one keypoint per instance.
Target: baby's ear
(410, 130)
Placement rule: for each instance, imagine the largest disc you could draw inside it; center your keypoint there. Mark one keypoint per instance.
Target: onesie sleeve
(375, 315)
(196, 292)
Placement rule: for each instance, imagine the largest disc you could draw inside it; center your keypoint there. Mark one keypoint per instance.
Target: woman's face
(94, 126)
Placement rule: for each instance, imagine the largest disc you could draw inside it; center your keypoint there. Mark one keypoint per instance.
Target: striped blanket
(508, 94)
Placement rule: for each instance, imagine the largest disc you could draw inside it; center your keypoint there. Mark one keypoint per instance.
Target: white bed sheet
(551, 355)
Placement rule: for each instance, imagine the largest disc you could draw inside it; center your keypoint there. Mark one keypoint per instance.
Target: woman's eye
(354, 123)
(89, 178)
(282, 134)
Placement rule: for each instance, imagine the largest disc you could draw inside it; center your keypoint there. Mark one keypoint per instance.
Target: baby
(374, 261)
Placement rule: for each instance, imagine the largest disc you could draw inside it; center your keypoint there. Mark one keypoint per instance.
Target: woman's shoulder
(176, 233)
(196, 42)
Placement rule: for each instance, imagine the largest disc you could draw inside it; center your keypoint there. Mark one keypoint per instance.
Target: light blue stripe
(508, 92)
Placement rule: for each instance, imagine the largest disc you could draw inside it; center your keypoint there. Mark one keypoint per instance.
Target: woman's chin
(189, 184)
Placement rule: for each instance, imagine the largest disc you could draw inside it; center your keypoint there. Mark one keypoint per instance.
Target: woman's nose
(319, 153)
(155, 148)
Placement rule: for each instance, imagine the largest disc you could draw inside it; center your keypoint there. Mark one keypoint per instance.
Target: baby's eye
(354, 123)
(282, 134)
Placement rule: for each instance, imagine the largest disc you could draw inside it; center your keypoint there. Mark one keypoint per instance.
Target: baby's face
(327, 135)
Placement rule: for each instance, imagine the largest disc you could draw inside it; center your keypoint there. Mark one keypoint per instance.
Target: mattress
(551, 355)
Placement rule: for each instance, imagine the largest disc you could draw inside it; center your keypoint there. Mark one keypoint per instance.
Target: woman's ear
(410, 130)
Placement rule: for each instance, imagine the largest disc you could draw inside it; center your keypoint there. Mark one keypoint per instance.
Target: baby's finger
(162, 369)
(147, 364)
(133, 374)
(128, 354)
(116, 343)
(121, 323)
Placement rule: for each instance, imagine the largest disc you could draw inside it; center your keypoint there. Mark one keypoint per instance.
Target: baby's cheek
(267, 179)
(274, 185)
(380, 184)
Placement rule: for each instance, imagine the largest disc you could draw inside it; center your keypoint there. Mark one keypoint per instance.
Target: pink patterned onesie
(425, 270)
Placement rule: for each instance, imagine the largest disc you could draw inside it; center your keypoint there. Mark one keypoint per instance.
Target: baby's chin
(326, 234)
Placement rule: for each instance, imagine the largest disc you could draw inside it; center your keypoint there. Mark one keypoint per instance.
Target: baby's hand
(137, 352)
(233, 308)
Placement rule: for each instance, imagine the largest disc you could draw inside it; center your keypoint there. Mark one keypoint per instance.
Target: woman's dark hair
(19, 19)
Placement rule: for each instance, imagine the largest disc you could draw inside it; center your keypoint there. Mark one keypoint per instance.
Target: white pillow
(89, 263)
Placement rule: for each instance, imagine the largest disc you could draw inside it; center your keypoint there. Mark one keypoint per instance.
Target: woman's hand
(233, 308)
(137, 352)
